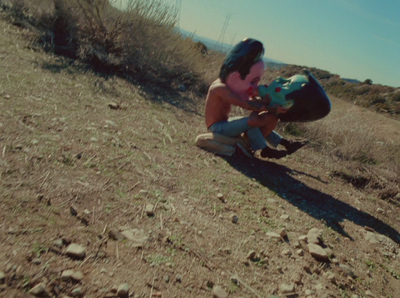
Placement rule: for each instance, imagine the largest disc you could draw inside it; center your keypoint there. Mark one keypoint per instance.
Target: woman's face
(240, 86)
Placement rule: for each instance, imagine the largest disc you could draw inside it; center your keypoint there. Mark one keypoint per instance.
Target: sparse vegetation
(85, 150)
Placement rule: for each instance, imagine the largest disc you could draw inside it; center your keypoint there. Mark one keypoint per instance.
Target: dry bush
(140, 43)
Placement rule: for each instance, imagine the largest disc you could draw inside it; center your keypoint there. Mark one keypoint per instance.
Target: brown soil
(84, 159)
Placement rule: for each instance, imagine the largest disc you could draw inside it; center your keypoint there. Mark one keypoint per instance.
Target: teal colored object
(303, 96)
(280, 88)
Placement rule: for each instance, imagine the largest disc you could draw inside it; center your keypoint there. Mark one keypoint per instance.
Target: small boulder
(76, 251)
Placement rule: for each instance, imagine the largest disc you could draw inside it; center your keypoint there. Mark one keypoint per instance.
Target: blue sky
(357, 39)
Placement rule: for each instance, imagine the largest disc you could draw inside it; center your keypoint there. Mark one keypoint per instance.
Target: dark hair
(241, 58)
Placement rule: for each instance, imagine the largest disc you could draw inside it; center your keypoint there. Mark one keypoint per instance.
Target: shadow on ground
(319, 205)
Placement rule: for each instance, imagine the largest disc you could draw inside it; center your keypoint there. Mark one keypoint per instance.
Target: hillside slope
(104, 194)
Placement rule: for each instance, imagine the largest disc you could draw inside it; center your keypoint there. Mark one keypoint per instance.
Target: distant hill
(224, 47)
(353, 81)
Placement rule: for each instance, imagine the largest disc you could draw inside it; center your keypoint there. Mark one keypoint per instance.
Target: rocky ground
(103, 194)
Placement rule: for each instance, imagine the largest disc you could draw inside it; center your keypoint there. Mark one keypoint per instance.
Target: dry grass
(142, 45)
(359, 145)
(63, 144)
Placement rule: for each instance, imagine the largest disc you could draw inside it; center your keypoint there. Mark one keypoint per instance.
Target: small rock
(284, 217)
(283, 234)
(368, 293)
(220, 197)
(178, 278)
(76, 251)
(300, 252)
(38, 290)
(303, 238)
(286, 252)
(116, 235)
(314, 236)
(234, 218)
(251, 255)
(73, 210)
(123, 290)
(318, 252)
(274, 235)
(287, 288)
(77, 292)
(109, 123)
(137, 237)
(219, 292)
(149, 210)
(166, 278)
(380, 210)
(308, 292)
(77, 276)
(66, 274)
(58, 243)
(113, 106)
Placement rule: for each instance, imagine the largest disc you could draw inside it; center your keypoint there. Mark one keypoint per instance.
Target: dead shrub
(140, 43)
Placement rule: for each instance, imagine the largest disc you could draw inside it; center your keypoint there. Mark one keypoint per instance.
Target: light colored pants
(237, 125)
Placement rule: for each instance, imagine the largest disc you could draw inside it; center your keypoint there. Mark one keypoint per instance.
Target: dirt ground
(104, 194)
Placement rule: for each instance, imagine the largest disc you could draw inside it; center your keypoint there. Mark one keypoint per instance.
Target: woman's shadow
(321, 206)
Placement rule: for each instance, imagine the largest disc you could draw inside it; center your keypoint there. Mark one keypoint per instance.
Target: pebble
(317, 252)
(77, 292)
(251, 255)
(287, 288)
(234, 218)
(75, 251)
(123, 290)
(284, 217)
(283, 234)
(303, 238)
(220, 197)
(58, 243)
(38, 290)
(72, 275)
(66, 274)
(274, 235)
(2, 276)
(137, 237)
(113, 105)
(77, 276)
(368, 293)
(314, 236)
(149, 210)
(116, 235)
(219, 292)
